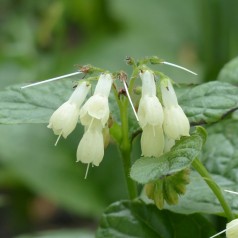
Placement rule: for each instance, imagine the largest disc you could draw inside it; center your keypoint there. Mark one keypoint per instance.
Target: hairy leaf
(180, 157)
(209, 102)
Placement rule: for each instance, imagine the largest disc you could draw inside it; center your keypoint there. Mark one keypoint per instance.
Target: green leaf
(138, 220)
(209, 102)
(32, 105)
(146, 170)
(219, 155)
(229, 73)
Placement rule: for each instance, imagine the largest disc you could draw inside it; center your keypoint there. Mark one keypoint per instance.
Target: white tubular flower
(152, 141)
(150, 114)
(64, 120)
(91, 146)
(176, 123)
(97, 106)
(232, 229)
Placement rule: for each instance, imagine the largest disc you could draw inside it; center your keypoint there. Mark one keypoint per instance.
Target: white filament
(229, 191)
(178, 66)
(52, 79)
(129, 97)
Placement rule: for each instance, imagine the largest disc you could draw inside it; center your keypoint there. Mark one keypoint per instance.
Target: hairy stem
(214, 187)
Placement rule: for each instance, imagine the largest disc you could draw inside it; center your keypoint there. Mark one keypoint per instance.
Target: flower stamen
(229, 191)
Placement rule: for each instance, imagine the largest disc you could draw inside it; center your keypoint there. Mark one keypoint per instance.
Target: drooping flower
(97, 105)
(150, 114)
(232, 229)
(91, 146)
(94, 115)
(176, 123)
(64, 120)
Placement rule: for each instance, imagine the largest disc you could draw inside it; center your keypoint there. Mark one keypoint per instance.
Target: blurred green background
(41, 186)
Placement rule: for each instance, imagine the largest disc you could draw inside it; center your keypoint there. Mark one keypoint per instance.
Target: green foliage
(138, 220)
(33, 105)
(147, 170)
(209, 102)
(43, 39)
(220, 157)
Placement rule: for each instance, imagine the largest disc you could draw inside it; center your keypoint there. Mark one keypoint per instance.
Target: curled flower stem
(214, 187)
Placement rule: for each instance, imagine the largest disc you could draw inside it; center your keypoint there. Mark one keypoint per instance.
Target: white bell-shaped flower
(152, 141)
(91, 146)
(64, 120)
(232, 229)
(150, 114)
(176, 123)
(150, 110)
(97, 106)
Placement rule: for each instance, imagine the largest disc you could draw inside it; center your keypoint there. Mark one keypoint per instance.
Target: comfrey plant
(119, 108)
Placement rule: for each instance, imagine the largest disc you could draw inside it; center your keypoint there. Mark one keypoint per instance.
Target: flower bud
(176, 123)
(64, 120)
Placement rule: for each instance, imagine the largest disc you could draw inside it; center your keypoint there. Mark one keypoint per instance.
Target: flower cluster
(93, 116)
(161, 126)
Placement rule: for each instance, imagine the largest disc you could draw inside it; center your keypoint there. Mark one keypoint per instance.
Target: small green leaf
(229, 72)
(209, 102)
(146, 170)
(138, 220)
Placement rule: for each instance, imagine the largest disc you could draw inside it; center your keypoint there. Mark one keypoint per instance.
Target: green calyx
(168, 188)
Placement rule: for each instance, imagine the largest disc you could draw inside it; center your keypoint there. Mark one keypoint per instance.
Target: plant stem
(125, 149)
(214, 187)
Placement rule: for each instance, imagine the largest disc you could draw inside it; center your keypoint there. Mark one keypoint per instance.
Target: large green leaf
(229, 72)
(209, 102)
(220, 156)
(32, 105)
(180, 157)
(138, 220)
